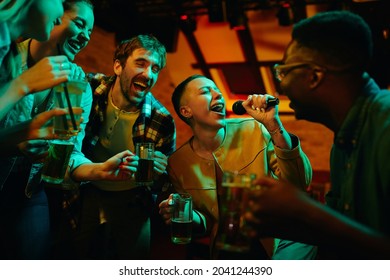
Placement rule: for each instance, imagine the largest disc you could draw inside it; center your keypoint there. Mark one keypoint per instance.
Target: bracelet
(279, 129)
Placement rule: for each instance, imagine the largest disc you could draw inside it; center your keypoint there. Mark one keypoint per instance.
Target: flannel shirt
(154, 124)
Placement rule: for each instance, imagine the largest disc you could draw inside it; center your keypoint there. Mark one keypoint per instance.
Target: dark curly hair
(342, 38)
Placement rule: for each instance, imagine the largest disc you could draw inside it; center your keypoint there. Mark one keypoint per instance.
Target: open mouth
(140, 86)
(218, 108)
(75, 45)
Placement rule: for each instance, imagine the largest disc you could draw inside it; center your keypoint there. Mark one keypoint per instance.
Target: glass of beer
(181, 223)
(232, 235)
(144, 174)
(56, 163)
(68, 96)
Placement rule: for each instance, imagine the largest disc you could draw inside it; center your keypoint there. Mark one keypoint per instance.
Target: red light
(183, 17)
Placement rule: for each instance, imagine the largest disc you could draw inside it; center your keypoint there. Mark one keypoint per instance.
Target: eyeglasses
(281, 70)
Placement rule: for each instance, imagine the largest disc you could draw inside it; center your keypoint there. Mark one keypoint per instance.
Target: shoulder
(157, 106)
(376, 100)
(23, 46)
(100, 83)
(382, 99)
(23, 51)
(379, 106)
(181, 153)
(374, 118)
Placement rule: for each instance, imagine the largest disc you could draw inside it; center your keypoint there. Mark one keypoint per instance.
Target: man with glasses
(324, 76)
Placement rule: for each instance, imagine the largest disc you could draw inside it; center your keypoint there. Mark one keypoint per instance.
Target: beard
(125, 85)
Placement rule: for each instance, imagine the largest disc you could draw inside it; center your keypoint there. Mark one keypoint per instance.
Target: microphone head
(238, 109)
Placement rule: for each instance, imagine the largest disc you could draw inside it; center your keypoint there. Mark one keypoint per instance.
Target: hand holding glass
(144, 174)
(68, 96)
(57, 161)
(181, 223)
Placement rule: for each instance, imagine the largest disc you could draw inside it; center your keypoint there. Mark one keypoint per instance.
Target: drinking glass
(68, 96)
(56, 163)
(144, 174)
(232, 235)
(181, 223)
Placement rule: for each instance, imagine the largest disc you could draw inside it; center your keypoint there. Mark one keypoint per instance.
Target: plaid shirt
(154, 124)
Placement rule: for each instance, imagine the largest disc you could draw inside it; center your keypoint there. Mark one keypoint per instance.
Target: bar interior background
(234, 42)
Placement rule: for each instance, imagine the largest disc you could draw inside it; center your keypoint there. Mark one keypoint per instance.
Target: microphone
(238, 109)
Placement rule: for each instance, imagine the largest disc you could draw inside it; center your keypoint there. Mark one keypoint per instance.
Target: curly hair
(342, 38)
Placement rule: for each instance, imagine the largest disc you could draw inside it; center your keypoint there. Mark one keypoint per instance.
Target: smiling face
(73, 34)
(203, 103)
(138, 75)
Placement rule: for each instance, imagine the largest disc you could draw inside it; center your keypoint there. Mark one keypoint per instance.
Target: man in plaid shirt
(124, 112)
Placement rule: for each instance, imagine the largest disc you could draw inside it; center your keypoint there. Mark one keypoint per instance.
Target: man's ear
(117, 67)
(186, 112)
(316, 77)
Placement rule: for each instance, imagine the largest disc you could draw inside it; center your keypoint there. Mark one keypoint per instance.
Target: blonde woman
(27, 19)
(24, 213)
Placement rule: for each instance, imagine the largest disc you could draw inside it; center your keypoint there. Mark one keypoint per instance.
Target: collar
(350, 131)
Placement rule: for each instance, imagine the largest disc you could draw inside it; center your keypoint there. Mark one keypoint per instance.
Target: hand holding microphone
(239, 109)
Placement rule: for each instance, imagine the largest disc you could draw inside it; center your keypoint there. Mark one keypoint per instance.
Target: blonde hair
(10, 8)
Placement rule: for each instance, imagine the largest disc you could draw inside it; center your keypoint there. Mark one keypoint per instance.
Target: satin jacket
(248, 149)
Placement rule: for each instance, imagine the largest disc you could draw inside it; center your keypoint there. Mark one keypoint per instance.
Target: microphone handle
(272, 102)
(238, 109)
